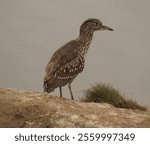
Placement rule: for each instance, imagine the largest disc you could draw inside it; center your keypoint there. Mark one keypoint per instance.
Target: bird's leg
(69, 86)
(60, 91)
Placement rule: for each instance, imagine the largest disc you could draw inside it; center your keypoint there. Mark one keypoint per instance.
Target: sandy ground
(30, 109)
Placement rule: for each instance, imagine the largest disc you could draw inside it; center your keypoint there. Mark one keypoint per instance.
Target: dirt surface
(29, 109)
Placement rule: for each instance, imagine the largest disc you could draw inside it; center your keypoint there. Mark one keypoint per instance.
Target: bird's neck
(84, 40)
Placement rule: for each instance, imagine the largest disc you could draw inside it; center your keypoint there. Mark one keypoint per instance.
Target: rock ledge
(30, 109)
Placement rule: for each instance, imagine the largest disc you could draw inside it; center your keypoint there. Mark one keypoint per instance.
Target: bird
(69, 60)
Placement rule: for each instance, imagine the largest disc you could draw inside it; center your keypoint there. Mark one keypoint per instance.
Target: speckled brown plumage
(68, 61)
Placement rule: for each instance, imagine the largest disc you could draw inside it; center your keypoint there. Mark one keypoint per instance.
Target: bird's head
(93, 25)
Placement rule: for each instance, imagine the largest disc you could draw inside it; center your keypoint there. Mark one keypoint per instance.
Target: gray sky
(31, 30)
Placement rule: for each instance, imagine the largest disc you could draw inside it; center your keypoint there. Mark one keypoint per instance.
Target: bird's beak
(106, 28)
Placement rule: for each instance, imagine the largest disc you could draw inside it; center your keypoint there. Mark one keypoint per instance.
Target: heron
(69, 60)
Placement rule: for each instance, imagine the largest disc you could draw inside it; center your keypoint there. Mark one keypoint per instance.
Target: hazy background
(31, 30)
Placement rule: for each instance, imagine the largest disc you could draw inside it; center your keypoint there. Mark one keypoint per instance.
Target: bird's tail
(46, 85)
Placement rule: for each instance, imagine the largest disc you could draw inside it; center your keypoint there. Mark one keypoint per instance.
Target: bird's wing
(66, 63)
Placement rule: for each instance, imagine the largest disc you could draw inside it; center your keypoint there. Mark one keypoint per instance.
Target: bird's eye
(96, 24)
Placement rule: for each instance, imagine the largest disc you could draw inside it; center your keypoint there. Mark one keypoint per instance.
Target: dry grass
(106, 93)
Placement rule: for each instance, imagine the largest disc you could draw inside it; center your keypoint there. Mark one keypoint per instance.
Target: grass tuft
(106, 93)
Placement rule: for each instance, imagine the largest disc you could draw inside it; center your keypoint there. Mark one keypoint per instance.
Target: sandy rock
(31, 109)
